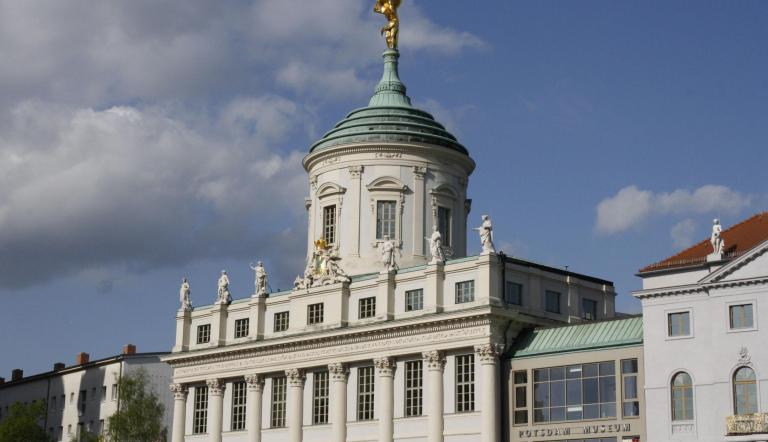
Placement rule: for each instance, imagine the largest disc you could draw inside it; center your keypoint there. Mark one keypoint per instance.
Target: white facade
(82, 397)
(712, 348)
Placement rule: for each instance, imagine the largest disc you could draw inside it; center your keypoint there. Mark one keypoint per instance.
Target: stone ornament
(744, 357)
(434, 360)
(486, 236)
(184, 296)
(215, 387)
(323, 268)
(388, 247)
(338, 371)
(436, 246)
(223, 293)
(261, 278)
(179, 391)
(355, 171)
(384, 366)
(295, 377)
(718, 244)
(488, 353)
(254, 381)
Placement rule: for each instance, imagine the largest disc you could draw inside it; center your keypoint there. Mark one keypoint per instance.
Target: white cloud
(144, 188)
(631, 206)
(683, 233)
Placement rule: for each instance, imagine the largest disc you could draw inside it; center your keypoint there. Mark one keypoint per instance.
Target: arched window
(744, 391)
(682, 397)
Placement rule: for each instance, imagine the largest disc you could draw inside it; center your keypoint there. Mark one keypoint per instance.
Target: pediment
(445, 190)
(386, 184)
(751, 265)
(328, 189)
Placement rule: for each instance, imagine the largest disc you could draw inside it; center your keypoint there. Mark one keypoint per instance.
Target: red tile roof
(738, 240)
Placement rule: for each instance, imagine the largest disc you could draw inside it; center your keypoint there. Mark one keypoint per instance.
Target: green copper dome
(389, 117)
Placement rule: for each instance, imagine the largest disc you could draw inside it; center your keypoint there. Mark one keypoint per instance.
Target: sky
(145, 141)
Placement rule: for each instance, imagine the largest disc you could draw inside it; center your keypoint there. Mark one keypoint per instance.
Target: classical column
(215, 409)
(295, 403)
(435, 362)
(385, 368)
(338, 416)
(488, 355)
(179, 411)
(255, 384)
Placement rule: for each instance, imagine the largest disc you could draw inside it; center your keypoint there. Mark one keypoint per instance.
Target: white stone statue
(184, 292)
(486, 236)
(388, 248)
(718, 244)
(261, 278)
(436, 246)
(224, 296)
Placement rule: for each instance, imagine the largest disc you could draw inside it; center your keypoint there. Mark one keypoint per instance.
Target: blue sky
(166, 141)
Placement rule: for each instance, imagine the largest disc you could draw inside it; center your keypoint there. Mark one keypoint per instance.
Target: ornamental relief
(454, 336)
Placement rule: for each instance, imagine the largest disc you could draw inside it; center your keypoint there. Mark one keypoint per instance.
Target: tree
(23, 423)
(140, 414)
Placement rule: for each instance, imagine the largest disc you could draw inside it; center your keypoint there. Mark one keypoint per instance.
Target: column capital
(338, 371)
(488, 353)
(385, 366)
(295, 377)
(254, 381)
(434, 360)
(215, 387)
(355, 171)
(179, 391)
(419, 172)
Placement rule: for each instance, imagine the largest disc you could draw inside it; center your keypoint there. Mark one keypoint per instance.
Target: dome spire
(390, 91)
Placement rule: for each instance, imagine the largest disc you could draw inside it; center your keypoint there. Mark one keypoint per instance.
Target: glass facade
(574, 392)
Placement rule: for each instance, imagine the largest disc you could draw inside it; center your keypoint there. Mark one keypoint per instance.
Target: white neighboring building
(706, 366)
(81, 398)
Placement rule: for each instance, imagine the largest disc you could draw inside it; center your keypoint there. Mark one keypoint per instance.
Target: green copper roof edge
(578, 350)
(374, 132)
(359, 123)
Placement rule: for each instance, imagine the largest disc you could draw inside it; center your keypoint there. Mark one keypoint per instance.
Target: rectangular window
(320, 398)
(552, 301)
(114, 392)
(53, 402)
(385, 219)
(630, 400)
(241, 328)
(414, 300)
(444, 224)
(315, 313)
(278, 402)
(203, 333)
(366, 308)
(465, 291)
(365, 393)
(588, 309)
(574, 392)
(200, 414)
(281, 321)
(465, 383)
(101, 427)
(513, 293)
(81, 402)
(741, 316)
(521, 397)
(103, 393)
(679, 324)
(413, 388)
(239, 396)
(329, 224)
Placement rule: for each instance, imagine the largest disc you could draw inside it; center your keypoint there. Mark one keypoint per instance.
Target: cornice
(305, 343)
(698, 288)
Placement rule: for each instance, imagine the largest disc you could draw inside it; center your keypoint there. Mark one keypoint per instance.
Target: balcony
(747, 424)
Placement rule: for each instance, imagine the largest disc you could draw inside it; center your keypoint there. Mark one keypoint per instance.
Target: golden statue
(388, 8)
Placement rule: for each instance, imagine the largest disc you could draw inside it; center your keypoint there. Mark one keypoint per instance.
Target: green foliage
(140, 414)
(23, 424)
(88, 437)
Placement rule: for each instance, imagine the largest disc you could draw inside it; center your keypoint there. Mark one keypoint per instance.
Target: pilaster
(355, 198)
(385, 296)
(488, 283)
(183, 325)
(434, 279)
(419, 240)
(219, 324)
(257, 306)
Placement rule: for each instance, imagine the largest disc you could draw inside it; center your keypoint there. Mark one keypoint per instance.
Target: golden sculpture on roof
(388, 8)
